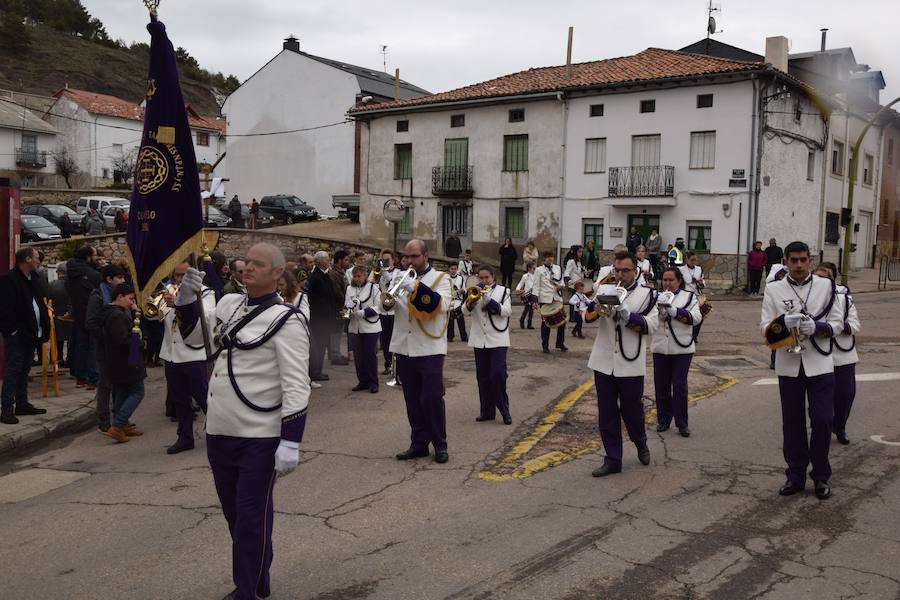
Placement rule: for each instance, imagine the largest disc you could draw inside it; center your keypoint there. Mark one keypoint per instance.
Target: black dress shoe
(662, 427)
(465, 339)
(8, 418)
(340, 362)
(30, 409)
(684, 431)
(507, 420)
(387, 371)
(823, 490)
(412, 453)
(373, 389)
(441, 456)
(320, 377)
(546, 350)
(842, 438)
(605, 470)
(562, 348)
(644, 455)
(360, 387)
(482, 418)
(179, 447)
(790, 488)
(529, 327)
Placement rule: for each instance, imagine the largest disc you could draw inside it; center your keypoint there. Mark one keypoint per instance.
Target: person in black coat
(82, 278)
(508, 256)
(323, 309)
(126, 369)
(25, 324)
(98, 303)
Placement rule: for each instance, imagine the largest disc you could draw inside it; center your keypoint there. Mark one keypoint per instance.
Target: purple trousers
(461, 323)
(490, 370)
(844, 394)
(423, 391)
(619, 399)
(244, 473)
(801, 449)
(670, 380)
(186, 381)
(365, 357)
(387, 330)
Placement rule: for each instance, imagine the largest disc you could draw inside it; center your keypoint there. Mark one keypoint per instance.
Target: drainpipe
(754, 201)
(753, 116)
(562, 172)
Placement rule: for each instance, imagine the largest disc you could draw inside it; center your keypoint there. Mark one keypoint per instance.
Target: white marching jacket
(363, 298)
(174, 348)
(302, 302)
(843, 345)
(574, 272)
(270, 381)
(625, 355)
(414, 337)
(675, 335)
(692, 275)
(546, 281)
(490, 330)
(816, 297)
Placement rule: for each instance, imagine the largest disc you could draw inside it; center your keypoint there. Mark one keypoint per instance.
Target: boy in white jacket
(364, 328)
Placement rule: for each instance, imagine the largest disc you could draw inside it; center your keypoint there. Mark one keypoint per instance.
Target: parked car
(54, 213)
(99, 203)
(38, 229)
(288, 209)
(263, 219)
(109, 215)
(217, 218)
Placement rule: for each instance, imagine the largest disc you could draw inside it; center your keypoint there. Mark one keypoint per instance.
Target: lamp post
(394, 212)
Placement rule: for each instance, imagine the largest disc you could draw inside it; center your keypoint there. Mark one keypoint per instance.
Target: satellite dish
(711, 27)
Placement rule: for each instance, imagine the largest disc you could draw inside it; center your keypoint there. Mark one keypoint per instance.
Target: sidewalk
(863, 281)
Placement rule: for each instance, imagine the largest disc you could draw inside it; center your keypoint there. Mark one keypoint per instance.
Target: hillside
(52, 59)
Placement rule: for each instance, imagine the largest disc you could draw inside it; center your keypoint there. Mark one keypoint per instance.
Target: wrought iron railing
(657, 180)
(26, 156)
(452, 180)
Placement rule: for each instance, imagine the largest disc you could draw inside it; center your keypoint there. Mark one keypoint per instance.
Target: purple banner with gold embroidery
(165, 221)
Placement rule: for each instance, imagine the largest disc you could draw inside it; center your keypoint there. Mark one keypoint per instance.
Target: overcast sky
(441, 46)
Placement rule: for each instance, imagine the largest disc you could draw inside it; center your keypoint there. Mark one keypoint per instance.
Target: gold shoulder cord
(446, 321)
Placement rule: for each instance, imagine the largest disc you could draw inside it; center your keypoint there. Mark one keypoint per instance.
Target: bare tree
(66, 165)
(123, 165)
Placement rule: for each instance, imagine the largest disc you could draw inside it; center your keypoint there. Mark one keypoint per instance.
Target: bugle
(390, 297)
(474, 294)
(155, 308)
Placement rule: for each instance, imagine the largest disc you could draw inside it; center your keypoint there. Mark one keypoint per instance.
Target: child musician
(364, 328)
(579, 303)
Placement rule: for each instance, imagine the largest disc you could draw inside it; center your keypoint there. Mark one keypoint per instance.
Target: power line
(91, 149)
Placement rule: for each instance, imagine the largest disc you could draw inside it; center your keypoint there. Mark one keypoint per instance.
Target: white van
(99, 203)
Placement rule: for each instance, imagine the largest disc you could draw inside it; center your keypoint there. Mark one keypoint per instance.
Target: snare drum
(455, 309)
(553, 315)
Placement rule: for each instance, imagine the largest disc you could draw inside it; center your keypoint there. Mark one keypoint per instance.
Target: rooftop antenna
(384, 52)
(711, 21)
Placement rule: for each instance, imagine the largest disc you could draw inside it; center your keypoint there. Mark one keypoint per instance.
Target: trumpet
(155, 308)
(474, 294)
(375, 275)
(797, 347)
(390, 297)
(607, 303)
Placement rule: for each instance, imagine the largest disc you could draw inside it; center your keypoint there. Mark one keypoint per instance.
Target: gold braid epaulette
(447, 320)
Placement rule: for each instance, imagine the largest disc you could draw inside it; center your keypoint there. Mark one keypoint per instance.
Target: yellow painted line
(541, 463)
(725, 382)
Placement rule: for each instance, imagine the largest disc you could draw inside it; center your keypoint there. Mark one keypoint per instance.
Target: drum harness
(847, 305)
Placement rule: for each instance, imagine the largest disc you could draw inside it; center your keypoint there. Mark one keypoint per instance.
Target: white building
(26, 145)
(698, 147)
(308, 96)
(98, 128)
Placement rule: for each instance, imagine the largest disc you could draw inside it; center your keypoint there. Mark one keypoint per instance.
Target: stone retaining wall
(718, 270)
(65, 196)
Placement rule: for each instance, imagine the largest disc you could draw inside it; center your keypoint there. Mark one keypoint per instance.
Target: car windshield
(293, 201)
(215, 212)
(33, 221)
(57, 210)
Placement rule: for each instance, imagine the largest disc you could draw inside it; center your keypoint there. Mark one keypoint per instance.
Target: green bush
(67, 248)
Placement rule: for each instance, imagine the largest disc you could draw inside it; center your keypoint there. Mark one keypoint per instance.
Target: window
(202, 138)
(592, 230)
(699, 236)
(832, 228)
(457, 120)
(837, 158)
(402, 161)
(798, 110)
(703, 150)
(704, 101)
(105, 173)
(596, 110)
(405, 226)
(517, 115)
(868, 163)
(515, 152)
(29, 143)
(117, 148)
(402, 126)
(810, 165)
(595, 155)
(648, 106)
(514, 222)
(645, 150)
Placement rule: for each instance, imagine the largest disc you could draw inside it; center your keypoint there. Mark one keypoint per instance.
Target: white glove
(792, 320)
(671, 311)
(624, 312)
(349, 303)
(408, 284)
(361, 314)
(807, 327)
(190, 288)
(286, 457)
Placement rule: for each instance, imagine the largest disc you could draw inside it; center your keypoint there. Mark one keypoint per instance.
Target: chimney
(824, 31)
(569, 55)
(396, 84)
(777, 52)
(291, 43)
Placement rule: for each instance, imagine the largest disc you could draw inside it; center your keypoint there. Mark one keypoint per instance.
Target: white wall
(292, 92)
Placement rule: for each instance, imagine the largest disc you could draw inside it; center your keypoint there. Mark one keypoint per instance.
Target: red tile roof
(111, 106)
(649, 65)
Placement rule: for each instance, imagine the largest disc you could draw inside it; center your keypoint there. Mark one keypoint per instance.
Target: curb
(74, 421)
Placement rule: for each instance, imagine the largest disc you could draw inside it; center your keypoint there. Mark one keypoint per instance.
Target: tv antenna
(711, 9)
(384, 52)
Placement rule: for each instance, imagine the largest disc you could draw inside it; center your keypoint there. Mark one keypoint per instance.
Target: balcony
(26, 157)
(452, 182)
(657, 180)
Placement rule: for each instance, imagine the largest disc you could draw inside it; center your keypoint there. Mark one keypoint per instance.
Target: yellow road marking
(726, 381)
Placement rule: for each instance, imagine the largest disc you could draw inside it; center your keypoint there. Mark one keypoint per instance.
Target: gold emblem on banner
(153, 170)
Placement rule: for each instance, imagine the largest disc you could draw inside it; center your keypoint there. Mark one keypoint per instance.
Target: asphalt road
(514, 514)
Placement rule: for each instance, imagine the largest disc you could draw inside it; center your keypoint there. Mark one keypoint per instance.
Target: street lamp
(394, 212)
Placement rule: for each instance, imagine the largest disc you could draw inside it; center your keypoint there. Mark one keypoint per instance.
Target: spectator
(98, 302)
(254, 213)
(235, 285)
(774, 255)
(82, 279)
(323, 307)
(126, 370)
(453, 245)
(530, 254)
(120, 221)
(25, 324)
(653, 243)
(62, 320)
(634, 240)
(338, 275)
(590, 259)
(508, 256)
(756, 262)
(235, 211)
(66, 228)
(304, 268)
(94, 224)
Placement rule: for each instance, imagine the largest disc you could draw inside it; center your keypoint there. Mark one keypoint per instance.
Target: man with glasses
(619, 363)
(799, 316)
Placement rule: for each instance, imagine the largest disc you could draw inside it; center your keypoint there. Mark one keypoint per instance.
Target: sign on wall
(615, 232)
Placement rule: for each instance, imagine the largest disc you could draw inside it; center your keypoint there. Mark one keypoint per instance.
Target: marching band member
(645, 269)
(619, 364)
(458, 285)
(525, 290)
(693, 281)
(490, 340)
(802, 308)
(289, 290)
(574, 269)
(776, 273)
(359, 260)
(420, 346)
(466, 267)
(364, 328)
(843, 351)
(387, 316)
(548, 286)
(579, 303)
(605, 273)
(186, 375)
(673, 348)
(257, 400)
